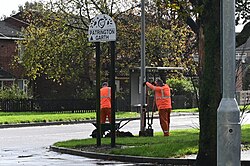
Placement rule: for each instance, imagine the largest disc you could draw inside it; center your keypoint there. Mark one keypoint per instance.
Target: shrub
(13, 92)
(180, 86)
(184, 88)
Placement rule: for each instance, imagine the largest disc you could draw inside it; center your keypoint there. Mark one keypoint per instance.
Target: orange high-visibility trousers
(164, 115)
(105, 112)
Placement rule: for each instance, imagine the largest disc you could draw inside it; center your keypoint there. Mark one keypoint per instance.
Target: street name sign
(102, 28)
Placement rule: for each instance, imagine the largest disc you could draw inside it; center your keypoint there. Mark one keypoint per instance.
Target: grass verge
(31, 117)
(179, 144)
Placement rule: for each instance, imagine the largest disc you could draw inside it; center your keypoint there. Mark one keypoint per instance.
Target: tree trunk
(210, 83)
(243, 36)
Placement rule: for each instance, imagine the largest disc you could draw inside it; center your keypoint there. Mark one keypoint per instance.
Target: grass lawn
(30, 117)
(180, 143)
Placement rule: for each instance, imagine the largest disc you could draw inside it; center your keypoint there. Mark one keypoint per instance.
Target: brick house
(243, 73)
(9, 33)
(243, 66)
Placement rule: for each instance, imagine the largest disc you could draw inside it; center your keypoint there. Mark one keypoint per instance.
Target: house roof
(7, 32)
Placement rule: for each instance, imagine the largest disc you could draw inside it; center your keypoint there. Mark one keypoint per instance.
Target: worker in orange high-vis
(163, 103)
(105, 98)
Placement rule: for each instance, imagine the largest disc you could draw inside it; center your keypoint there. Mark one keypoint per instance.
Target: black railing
(243, 97)
(77, 105)
(57, 105)
(48, 105)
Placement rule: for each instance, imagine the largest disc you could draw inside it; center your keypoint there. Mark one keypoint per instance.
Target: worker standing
(105, 95)
(163, 103)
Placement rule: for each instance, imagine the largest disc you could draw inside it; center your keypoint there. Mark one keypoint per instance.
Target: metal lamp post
(228, 119)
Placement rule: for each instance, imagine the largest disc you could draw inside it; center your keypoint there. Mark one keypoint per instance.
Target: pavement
(187, 160)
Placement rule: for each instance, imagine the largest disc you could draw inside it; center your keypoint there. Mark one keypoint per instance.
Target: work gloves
(153, 83)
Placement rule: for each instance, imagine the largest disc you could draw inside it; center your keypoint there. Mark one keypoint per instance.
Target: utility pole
(143, 72)
(228, 119)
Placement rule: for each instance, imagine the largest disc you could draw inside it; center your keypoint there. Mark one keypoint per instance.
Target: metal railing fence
(56, 105)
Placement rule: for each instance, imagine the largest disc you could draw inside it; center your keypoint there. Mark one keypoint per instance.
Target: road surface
(29, 146)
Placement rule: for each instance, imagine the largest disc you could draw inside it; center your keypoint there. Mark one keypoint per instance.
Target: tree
(168, 42)
(243, 16)
(206, 25)
(56, 40)
(53, 49)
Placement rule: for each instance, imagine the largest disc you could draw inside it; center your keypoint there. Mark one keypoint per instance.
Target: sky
(7, 6)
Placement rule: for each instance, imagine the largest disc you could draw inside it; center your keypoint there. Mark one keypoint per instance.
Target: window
(20, 52)
(241, 56)
(23, 84)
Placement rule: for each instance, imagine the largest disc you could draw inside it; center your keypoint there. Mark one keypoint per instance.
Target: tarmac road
(29, 146)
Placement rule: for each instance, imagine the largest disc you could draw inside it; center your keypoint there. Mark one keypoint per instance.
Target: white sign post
(102, 28)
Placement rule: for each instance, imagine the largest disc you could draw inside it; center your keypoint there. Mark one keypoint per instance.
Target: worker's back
(105, 95)
(163, 97)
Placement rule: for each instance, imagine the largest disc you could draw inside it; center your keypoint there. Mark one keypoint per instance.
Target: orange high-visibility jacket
(162, 96)
(105, 97)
